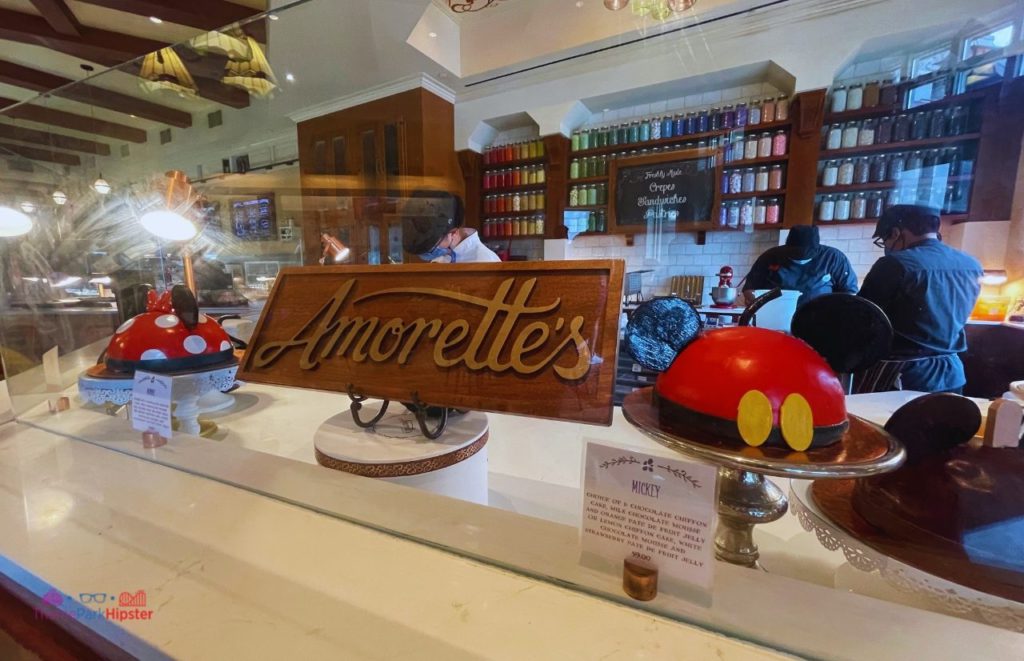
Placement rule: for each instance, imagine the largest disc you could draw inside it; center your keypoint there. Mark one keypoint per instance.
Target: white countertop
(249, 576)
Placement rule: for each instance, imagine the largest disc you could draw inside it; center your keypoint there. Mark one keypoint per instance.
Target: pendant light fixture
(101, 186)
(168, 220)
(656, 9)
(221, 44)
(60, 198)
(28, 207)
(163, 70)
(253, 75)
(14, 222)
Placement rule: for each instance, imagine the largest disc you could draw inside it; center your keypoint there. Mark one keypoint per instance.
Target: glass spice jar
(742, 115)
(725, 182)
(897, 166)
(834, 138)
(915, 161)
(736, 181)
(851, 132)
(754, 116)
(919, 126)
(866, 137)
(575, 141)
(859, 208)
(888, 93)
(883, 132)
(746, 213)
(872, 93)
(668, 127)
(703, 122)
(780, 143)
(764, 145)
(768, 111)
(728, 121)
(782, 108)
(644, 131)
(827, 209)
(772, 216)
(957, 121)
(760, 211)
(715, 119)
(734, 214)
(655, 129)
(901, 128)
(846, 169)
(750, 149)
(749, 180)
(839, 99)
(878, 169)
(761, 180)
(830, 173)
(874, 209)
(861, 170)
(775, 178)
(843, 204)
(855, 97)
(939, 124)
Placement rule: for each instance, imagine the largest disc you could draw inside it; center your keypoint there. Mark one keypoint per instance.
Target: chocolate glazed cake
(959, 508)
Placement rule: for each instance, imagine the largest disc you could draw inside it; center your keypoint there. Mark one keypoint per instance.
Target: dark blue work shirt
(828, 271)
(928, 291)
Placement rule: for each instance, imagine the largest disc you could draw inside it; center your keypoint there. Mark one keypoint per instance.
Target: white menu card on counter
(151, 403)
(654, 510)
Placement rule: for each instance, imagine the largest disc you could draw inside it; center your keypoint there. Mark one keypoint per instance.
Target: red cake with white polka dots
(163, 339)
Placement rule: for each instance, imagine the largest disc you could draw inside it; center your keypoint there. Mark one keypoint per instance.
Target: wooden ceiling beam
(40, 81)
(100, 46)
(35, 154)
(60, 18)
(204, 14)
(55, 140)
(41, 115)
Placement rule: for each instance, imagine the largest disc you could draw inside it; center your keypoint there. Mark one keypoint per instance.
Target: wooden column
(808, 114)
(556, 150)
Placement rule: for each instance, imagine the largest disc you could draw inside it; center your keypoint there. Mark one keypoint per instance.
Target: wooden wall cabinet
(356, 163)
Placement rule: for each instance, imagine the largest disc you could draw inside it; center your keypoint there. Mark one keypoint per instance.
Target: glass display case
(299, 146)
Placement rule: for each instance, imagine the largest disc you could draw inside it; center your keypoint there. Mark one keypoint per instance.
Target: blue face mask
(437, 252)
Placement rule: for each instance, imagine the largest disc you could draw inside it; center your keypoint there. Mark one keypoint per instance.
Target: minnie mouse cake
(170, 336)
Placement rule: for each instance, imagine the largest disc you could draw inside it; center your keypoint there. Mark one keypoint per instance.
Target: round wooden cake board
(453, 465)
(835, 499)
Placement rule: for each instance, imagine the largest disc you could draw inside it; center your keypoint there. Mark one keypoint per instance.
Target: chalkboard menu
(254, 219)
(678, 186)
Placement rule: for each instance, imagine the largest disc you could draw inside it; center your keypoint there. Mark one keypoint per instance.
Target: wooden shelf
(521, 237)
(909, 145)
(755, 161)
(514, 189)
(872, 186)
(952, 217)
(742, 196)
(863, 113)
(586, 180)
(589, 233)
(587, 207)
(513, 214)
(514, 164)
(679, 139)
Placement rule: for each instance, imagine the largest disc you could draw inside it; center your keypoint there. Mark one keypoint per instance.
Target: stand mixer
(724, 295)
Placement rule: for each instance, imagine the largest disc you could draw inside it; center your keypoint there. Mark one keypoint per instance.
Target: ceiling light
(101, 186)
(28, 207)
(164, 70)
(14, 222)
(657, 9)
(254, 75)
(154, 19)
(168, 225)
(273, 17)
(579, 4)
(59, 198)
(289, 77)
(220, 43)
(432, 35)
(994, 278)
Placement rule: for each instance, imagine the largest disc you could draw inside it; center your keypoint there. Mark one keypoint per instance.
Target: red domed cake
(754, 386)
(161, 340)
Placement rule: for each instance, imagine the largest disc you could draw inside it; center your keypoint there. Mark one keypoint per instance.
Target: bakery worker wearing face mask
(804, 265)
(928, 290)
(432, 229)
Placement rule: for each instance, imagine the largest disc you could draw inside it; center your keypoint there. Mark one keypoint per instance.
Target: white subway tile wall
(682, 256)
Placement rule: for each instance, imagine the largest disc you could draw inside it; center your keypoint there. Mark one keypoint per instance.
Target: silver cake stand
(745, 497)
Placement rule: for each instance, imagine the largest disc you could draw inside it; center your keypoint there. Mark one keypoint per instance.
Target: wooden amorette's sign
(536, 339)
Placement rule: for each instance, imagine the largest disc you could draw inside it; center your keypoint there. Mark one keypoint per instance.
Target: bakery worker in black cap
(804, 265)
(432, 229)
(928, 290)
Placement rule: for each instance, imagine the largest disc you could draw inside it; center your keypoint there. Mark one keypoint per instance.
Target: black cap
(803, 241)
(426, 217)
(916, 218)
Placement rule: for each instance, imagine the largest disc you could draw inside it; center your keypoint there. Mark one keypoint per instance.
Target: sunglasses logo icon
(92, 597)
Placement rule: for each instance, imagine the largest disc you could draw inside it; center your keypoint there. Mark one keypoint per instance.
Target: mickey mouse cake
(170, 336)
(743, 385)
